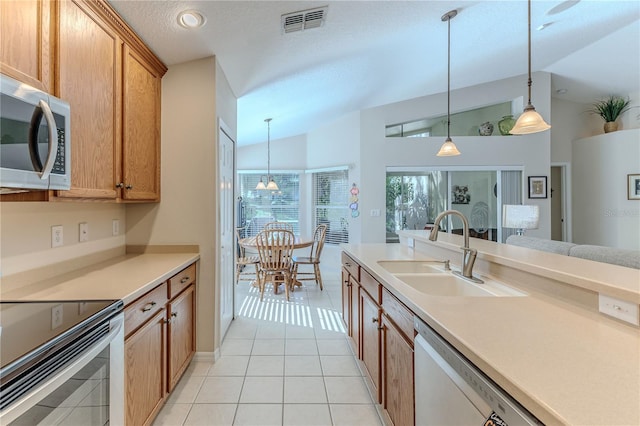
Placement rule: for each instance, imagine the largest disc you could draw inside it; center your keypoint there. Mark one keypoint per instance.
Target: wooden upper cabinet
(89, 78)
(26, 42)
(141, 129)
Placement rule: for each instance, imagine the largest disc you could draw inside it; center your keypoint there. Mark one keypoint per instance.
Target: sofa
(616, 256)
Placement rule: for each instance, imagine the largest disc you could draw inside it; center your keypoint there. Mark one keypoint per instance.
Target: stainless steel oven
(62, 363)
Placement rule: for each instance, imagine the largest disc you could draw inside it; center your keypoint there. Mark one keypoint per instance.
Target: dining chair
(243, 262)
(313, 259)
(278, 225)
(275, 250)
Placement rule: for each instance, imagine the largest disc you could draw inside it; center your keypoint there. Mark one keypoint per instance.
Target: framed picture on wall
(633, 187)
(537, 187)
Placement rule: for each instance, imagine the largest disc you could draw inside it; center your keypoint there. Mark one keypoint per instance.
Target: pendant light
(448, 148)
(271, 184)
(529, 121)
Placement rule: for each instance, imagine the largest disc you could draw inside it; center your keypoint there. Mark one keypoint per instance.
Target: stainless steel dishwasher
(449, 390)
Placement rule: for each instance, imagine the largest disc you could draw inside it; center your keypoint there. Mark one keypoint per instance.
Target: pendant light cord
(449, 77)
(529, 47)
(268, 120)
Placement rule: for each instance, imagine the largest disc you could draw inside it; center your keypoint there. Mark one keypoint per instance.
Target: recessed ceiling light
(191, 19)
(561, 91)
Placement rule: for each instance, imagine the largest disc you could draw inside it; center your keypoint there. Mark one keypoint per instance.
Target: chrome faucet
(468, 254)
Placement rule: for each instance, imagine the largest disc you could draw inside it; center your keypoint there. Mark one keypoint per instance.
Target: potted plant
(610, 109)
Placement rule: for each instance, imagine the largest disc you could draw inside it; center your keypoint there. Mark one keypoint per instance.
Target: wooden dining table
(298, 243)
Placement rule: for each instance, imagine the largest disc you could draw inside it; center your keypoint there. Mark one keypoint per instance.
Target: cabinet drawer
(351, 265)
(398, 313)
(140, 311)
(181, 280)
(371, 285)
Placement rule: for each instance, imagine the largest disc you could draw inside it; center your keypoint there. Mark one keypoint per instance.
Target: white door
(226, 228)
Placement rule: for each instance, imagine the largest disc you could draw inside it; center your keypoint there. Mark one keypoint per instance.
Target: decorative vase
(485, 129)
(610, 126)
(506, 124)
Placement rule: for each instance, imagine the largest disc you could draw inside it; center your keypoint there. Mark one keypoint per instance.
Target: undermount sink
(411, 266)
(448, 284)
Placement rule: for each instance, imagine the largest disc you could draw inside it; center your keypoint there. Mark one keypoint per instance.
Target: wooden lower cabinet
(381, 327)
(160, 341)
(145, 371)
(397, 377)
(182, 337)
(370, 340)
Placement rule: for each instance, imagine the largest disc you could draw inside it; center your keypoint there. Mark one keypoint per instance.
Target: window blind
(331, 194)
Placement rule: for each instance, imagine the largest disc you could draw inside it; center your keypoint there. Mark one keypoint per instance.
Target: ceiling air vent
(304, 19)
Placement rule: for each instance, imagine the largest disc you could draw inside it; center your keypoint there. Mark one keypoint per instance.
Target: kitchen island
(551, 349)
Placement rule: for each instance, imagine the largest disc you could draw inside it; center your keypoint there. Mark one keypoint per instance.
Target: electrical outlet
(57, 237)
(115, 227)
(83, 234)
(82, 307)
(56, 316)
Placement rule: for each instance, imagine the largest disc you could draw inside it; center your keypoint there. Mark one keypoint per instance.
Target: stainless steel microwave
(35, 139)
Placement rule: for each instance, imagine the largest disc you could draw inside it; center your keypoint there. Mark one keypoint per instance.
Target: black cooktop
(27, 327)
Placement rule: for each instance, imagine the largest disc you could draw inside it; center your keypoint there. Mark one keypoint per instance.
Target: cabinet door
(89, 78)
(145, 371)
(354, 320)
(141, 129)
(397, 374)
(346, 301)
(182, 334)
(25, 45)
(370, 340)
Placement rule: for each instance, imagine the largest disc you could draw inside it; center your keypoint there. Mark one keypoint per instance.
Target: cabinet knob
(167, 321)
(374, 319)
(129, 186)
(184, 280)
(148, 306)
(174, 314)
(120, 185)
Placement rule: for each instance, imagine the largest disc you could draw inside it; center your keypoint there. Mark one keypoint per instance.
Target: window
(465, 123)
(415, 198)
(258, 207)
(331, 193)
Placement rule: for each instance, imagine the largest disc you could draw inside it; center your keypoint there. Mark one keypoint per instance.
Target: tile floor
(281, 364)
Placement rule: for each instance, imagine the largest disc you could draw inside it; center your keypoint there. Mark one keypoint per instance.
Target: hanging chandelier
(271, 184)
(529, 121)
(448, 148)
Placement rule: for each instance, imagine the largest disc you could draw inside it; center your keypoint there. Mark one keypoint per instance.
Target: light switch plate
(83, 234)
(115, 227)
(57, 237)
(56, 316)
(621, 309)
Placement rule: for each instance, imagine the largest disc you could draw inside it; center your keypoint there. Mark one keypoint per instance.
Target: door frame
(565, 202)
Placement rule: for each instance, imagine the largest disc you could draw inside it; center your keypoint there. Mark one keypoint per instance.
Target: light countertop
(124, 277)
(565, 364)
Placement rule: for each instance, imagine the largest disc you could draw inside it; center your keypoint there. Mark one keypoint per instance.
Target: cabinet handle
(129, 186)
(348, 264)
(174, 314)
(184, 280)
(349, 285)
(167, 321)
(120, 185)
(374, 319)
(148, 306)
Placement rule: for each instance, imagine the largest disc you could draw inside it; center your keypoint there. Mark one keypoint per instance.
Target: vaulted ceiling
(370, 53)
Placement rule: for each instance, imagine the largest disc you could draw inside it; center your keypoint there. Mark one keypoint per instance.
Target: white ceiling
(371, 53)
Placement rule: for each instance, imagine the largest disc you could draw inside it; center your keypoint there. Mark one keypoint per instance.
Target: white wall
(602, 215)
(187, 212)
(532, 152)
(25, 232)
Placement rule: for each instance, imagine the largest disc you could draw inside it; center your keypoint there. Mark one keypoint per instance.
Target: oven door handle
(30, 399)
